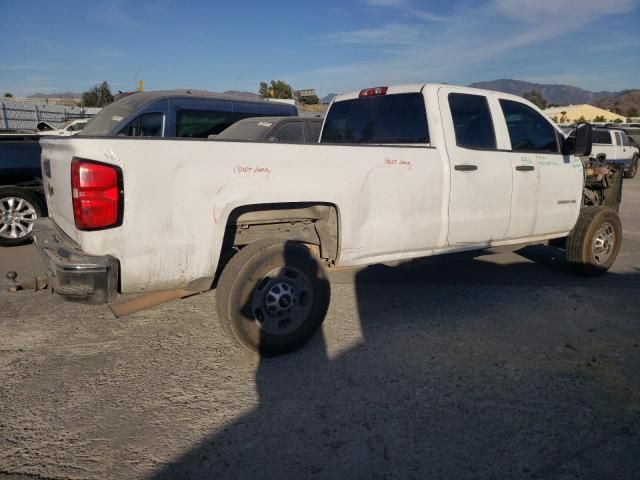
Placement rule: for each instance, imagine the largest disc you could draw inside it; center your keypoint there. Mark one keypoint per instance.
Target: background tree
(8, 95)
(581, 119)
(98, 96)
(536, 98)
(277, 89)
(617, 120)
(599, 118)
(309, 100)
(563, 119)
(632, 112)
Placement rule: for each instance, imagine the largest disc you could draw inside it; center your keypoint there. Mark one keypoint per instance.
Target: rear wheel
(272, 296)
(633, 169)
(594, 243)
(19, 209)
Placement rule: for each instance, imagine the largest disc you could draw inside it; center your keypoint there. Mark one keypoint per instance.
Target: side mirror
(583, 140)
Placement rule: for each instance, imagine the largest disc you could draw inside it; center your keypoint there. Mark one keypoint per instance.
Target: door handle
(465, 167)
(525, 168)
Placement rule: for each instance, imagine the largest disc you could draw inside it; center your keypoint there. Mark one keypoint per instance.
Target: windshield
(106, 120)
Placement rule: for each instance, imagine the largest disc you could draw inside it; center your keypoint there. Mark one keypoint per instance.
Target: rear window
(290, 132)
(602, 137)
(398, 118)
(106, 120)
(253, 129)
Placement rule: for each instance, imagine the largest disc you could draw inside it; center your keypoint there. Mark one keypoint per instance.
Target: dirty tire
(32, 207)
(594, 242)
(633, 169)
(272, 296)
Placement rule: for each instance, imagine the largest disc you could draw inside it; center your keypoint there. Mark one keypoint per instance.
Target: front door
(546, 184)
(481, 178)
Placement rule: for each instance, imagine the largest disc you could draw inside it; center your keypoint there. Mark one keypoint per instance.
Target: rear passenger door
(480, 187)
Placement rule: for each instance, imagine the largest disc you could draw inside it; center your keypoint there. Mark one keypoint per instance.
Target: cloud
(23, 66)
(467, 40)
(408, 9)
(392, 34)
(387, 3)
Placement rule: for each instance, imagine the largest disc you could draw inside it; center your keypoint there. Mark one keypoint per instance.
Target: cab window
(529, 131)
(472, 121)
(145, 125)
(602, 137)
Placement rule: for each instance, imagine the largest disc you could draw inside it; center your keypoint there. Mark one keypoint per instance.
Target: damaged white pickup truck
(399, 173)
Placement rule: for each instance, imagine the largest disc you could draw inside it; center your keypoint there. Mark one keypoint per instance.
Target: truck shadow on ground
(465, 369)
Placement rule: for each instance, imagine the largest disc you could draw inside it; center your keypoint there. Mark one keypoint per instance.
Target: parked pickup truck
(274, 129)
(613, 146)
(21, 197)
(400, 172)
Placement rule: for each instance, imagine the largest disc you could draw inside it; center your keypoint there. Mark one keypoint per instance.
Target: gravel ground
(489, 366)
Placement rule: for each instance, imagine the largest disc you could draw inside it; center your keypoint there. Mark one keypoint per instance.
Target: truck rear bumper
(72, 273)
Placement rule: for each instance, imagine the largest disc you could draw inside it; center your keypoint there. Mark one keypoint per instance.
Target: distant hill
(56, 95)
(624, 103)
(553, 93)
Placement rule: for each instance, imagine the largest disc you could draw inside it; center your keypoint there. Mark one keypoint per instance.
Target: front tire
(272, 296)
(594, 242)
(19, 209)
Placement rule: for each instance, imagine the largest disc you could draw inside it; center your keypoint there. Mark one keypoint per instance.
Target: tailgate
(57, 154)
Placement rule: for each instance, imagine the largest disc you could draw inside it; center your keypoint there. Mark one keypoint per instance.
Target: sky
(333, 46)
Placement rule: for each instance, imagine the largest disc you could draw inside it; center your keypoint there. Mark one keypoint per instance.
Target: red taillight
(372, 92)
(97, 194)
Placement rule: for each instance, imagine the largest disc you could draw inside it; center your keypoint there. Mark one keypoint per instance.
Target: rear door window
(618, 139)
(472, 121)
(291, 132)
(145, 125)
(529, 131)
(625, 140)
(201, 123)
(397, 118)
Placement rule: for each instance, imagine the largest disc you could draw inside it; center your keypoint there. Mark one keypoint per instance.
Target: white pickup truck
(614, 147)
(400, 172)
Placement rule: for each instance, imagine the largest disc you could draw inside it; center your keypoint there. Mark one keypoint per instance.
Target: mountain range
(621, 101)
(56, 95)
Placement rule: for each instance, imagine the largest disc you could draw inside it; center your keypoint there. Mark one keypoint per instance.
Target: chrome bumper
(72, 273)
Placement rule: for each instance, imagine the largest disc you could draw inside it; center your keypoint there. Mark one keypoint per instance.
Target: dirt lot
(493, 366)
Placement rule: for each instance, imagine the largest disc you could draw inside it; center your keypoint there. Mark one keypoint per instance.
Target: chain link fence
(23, 115)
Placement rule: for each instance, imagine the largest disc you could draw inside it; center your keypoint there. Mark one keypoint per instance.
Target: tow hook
(33, 283)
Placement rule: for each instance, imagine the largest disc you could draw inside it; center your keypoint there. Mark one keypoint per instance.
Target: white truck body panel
(394, 202)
